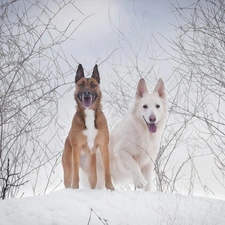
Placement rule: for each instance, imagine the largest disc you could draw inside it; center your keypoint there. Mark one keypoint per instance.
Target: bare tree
(199, 102)
(30, 82)
(200, 46)
(195, 90)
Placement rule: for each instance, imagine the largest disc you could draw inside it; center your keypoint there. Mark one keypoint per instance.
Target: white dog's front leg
(147, 172)
(132, 167)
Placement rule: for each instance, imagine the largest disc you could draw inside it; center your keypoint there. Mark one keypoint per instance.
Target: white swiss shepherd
(135, 140)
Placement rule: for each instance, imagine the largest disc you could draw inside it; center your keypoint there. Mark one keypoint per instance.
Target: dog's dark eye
(145, 106)
(93, 85)
(81, 85)
(157, 106)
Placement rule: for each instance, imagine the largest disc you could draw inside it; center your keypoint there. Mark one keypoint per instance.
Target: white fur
(133, 149)
(91, 131)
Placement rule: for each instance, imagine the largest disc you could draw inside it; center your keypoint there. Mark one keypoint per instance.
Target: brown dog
(89, 131)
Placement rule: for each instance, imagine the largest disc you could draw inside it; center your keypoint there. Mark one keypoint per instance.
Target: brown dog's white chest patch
(91, 131)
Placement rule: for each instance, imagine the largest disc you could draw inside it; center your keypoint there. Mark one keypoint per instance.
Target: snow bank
(78, 207)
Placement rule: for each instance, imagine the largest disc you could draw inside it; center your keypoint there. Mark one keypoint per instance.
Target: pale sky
(113, 34)
(116, 31)
(125, 29)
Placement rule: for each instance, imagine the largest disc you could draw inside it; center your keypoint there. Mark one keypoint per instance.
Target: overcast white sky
(117, 30)
(96, 38)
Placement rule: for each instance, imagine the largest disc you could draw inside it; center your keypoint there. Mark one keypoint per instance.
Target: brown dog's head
(87, 89)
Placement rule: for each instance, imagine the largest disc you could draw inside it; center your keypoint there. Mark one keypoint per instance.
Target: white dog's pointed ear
(95, 74)
(160, 88)
(141, 88)
(80, 73)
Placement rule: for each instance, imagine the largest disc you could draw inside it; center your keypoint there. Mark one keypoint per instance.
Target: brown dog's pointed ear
(95, 74)
(79, 74)
(141, 88)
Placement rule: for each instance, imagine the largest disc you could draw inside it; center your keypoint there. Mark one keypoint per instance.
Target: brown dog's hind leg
(105, 158)
(67, 164)
(92, 174)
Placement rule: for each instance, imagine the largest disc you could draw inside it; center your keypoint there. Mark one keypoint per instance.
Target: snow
(83, 206)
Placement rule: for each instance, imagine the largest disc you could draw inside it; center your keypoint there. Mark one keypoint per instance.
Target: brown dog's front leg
(92, 176)
(76, 165)
(105, 158)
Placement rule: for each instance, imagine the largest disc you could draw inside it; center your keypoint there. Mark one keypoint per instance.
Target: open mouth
(86, 100)
(151, 126)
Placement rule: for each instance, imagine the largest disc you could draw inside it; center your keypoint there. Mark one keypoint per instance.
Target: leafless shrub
(200, 47)
(30, 79)
(195, 90)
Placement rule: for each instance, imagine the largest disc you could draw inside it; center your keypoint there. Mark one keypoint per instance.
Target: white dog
(135, 141)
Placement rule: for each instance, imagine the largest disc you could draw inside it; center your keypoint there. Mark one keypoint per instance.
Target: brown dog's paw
(110, 186)
(75, 186)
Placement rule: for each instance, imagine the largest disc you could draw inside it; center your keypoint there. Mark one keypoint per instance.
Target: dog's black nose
(152, 118)
(87, 93)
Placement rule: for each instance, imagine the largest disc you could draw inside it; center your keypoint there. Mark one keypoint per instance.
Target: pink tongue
(87, 102)
(152, 127)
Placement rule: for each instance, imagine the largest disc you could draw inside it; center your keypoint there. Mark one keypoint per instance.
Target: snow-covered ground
(83, 206)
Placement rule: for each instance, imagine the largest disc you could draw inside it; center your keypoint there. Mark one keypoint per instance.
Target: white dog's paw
(140, 182)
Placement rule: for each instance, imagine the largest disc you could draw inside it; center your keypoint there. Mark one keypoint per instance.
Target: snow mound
(81, 206)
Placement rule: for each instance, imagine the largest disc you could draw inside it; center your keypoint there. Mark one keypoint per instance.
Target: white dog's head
(151, 106)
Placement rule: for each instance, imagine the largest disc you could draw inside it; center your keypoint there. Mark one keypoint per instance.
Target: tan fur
(76, 143)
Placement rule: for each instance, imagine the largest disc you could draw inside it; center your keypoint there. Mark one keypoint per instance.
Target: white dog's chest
(91, 131)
